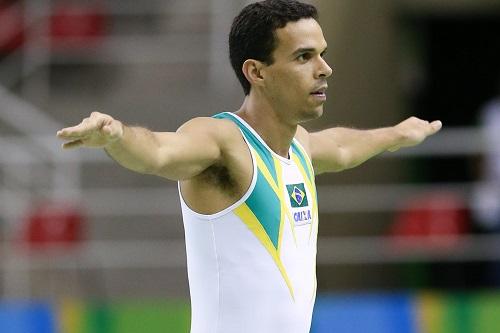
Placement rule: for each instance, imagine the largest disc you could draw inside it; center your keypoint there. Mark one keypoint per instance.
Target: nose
(324, 70)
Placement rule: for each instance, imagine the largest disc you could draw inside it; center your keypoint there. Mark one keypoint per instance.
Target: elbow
(337, 162)
(345, 160)
(156, 164)
(161, 167)
(146, 169)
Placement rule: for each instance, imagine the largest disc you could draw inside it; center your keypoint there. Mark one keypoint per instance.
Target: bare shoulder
(208, 125)
(226, 181)
(221, 132)
(302, 136)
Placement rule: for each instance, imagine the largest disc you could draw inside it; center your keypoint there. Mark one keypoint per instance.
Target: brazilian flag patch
(297, 195)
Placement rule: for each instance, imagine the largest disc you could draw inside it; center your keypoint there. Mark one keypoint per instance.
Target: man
(246, 179)
(487, 193)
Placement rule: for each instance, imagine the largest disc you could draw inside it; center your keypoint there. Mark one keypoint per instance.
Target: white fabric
(235, 285)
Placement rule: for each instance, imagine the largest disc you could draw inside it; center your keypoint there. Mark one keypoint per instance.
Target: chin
(312, 114)
(317, 112)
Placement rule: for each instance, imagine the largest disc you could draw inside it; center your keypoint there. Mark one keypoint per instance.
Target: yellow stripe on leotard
(247, 216)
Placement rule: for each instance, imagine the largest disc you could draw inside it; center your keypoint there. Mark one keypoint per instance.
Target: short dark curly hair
(253, 35)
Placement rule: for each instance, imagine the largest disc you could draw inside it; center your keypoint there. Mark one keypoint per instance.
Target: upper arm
(327, 155)
(194, 147)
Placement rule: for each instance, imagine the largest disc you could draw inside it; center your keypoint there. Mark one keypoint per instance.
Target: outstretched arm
(180, 155)
(336, 149)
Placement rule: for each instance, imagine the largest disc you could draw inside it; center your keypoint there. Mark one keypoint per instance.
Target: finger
(436, 126)
(81, 130)
(73, 132)
(72, 144)
(68, 132)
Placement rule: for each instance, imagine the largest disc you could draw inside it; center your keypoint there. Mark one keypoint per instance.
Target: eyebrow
(306, 50)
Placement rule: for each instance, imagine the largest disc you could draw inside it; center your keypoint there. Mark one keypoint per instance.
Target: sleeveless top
(252, 266)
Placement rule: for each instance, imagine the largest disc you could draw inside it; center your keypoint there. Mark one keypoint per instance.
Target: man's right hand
(96, 131)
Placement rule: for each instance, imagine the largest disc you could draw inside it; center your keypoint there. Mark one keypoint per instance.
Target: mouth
(320, 92)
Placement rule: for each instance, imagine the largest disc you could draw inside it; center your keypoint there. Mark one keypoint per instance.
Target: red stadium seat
(52, 224)
(77, 25)
(432, 219)
(11, 28)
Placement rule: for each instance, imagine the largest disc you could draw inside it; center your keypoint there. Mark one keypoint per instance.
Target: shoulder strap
(253, 140)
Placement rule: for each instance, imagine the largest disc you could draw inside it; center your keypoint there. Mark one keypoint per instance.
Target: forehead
(304, 33)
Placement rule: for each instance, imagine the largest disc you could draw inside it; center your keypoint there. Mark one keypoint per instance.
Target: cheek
(294, 81)
(288, 84)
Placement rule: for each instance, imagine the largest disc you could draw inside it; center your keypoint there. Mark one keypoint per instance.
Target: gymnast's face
(296, 81)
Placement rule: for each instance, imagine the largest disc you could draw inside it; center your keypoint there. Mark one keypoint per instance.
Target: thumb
(107, 130)
(113, 131)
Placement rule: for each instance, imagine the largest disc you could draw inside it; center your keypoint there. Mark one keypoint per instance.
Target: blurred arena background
(408, 241)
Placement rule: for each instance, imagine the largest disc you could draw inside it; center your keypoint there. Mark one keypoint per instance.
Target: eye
(323, 54)
(303, 57)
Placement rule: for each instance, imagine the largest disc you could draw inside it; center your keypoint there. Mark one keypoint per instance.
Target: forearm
(137, 150)
(353, 146)
(361, 145)
(343, 148)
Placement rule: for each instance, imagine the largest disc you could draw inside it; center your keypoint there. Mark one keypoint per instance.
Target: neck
(268, 122)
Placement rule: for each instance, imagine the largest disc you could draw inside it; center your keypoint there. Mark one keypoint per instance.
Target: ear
(252, 69)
